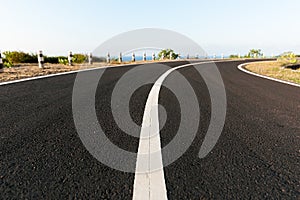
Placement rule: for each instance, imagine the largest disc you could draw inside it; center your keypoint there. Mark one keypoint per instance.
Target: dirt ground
(32, 70)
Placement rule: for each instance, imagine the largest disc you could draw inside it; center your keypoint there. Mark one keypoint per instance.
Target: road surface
(257, 155)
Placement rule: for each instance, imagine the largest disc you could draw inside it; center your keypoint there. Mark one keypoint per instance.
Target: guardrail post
(133, 57)
(70, 56)
(41, 59)
(145, 57)
(120, 58)
(153, 56)
(1, 63)
(90, 58)
(108, 58)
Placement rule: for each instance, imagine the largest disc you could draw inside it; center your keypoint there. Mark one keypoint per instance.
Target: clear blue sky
(233, 26)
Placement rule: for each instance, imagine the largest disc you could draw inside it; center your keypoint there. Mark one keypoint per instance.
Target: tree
(254, 53)
(166, 54)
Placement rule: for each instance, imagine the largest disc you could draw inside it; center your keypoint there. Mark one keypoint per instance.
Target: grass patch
(32, 70)
(275, 69)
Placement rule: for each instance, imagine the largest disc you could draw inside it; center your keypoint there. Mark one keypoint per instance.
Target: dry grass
(276, 70)
(32, 70)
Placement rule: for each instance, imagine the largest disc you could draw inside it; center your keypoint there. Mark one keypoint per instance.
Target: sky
(218, 26)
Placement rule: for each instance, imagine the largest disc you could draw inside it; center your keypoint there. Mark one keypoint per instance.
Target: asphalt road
(256, 157)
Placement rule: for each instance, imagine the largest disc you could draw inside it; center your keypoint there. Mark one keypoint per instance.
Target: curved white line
(151, 185)
(241, 67)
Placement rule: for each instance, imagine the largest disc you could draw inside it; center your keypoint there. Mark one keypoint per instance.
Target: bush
(288, 57)
(15, 57)
(6, 63)
(234, 56)
(63, 60)
(79, 58)
(52, 60)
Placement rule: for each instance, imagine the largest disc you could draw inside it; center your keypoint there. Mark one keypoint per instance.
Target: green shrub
(63, 60)
(79, 58)
(6, 63)
(52, 60)
(234, 56)
(15, 57)
(288, 57)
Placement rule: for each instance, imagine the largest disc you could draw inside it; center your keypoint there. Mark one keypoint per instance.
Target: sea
(140, 58)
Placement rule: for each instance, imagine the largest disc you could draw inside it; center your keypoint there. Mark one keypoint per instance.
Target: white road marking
(241, 67)
(149, 182)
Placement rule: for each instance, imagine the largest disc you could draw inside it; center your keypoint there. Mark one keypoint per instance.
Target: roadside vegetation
(253, 53)
(15, 58)
(19, 64)
(286, 67)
